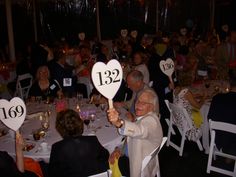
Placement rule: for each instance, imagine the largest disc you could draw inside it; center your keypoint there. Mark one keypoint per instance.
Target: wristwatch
(122, 122)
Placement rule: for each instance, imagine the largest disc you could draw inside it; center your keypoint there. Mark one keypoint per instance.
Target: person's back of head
(69, 123)
(135, 75)
(7, 165)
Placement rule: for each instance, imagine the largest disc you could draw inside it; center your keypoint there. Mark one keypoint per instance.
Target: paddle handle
(170, 78)
(110, 103)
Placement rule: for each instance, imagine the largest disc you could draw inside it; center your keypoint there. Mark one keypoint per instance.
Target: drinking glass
(92, 117)
(96, 99)
(45, 122)
(86, 122)
(207, 83)
(79, 97)
(102, 106)
(38, 99)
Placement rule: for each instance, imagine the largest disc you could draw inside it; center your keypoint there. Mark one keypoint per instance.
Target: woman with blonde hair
(139, 60)
(43, 86)
(183, 97)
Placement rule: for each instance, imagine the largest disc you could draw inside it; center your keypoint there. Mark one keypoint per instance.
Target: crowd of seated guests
(55, 76)
(192, 55)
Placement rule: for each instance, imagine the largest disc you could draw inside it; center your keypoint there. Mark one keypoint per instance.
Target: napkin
(115, 168)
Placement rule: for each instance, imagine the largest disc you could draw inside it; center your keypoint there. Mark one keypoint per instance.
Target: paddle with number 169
(107, 79)
(13, 112)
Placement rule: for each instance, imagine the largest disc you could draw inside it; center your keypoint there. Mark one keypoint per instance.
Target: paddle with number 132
(107, 79)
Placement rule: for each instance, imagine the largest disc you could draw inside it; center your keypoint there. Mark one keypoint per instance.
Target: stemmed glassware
(45, 121)
(86, 122)
(79, 97)
(85, 118)
(102, 106)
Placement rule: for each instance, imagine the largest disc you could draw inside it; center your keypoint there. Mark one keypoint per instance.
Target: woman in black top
(44, 87)
(76, 155)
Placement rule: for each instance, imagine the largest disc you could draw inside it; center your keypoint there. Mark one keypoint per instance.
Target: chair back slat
(23, 85)
(226, 127)
(107, 173)
(223, 126)
(180, 117)
(153, 154)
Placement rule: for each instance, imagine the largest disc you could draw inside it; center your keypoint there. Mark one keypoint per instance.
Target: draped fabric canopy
(53, 19)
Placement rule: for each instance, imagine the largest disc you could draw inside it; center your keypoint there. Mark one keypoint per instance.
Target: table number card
(167, 67)
(107, 78)
(67, 82)
(12, 113)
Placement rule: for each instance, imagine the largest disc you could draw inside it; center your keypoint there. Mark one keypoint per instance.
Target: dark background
(66, 18)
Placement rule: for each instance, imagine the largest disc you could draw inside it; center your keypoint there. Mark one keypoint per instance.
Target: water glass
(102, 106)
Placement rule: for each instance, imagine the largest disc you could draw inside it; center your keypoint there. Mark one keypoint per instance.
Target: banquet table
(105, 132)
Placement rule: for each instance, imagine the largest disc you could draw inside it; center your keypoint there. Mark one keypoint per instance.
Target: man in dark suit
(63, 74)
(76, 155)
(223, 109)
(161, 82)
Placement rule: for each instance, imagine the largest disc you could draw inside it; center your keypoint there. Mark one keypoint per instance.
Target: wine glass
(45, 125)
(45, 122)
(96, 99)
(86, 122)
(92, 117)
(79, 97)
(102, 106)
(207, 83)
(38, 99)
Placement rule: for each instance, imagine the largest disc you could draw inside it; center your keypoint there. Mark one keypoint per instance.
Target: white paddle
(107, 78)
(167, 67)
(12, 113)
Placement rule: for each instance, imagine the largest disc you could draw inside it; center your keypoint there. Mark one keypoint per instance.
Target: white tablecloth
(106, 133)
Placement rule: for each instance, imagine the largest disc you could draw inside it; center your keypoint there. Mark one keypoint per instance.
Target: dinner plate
(40, 151)
(34, 115)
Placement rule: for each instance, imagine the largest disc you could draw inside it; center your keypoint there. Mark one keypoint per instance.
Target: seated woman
(183, 97)
(139, 64)
(76, 155)
(43, 86)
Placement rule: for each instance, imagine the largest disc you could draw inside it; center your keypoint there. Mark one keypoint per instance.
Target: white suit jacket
(143, 136)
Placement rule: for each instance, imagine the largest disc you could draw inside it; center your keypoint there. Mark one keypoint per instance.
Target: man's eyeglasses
(142, 103)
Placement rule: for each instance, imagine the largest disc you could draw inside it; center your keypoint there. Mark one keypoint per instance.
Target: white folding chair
(179, 117)
(23, 85)
(226, 127)
(152, 155)
(107, 173)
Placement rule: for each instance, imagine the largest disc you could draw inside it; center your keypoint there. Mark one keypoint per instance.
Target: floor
(193, 163)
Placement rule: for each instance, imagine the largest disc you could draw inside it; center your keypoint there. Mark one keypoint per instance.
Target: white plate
(44, 152)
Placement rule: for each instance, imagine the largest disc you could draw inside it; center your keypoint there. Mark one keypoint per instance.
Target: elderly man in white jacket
(143, 135)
